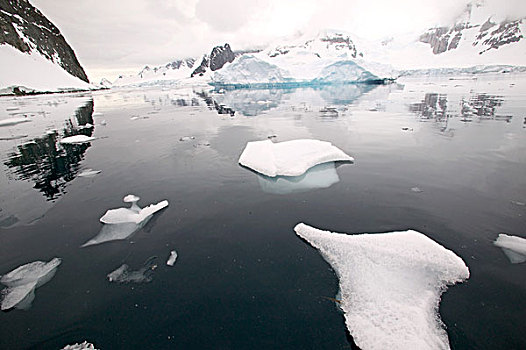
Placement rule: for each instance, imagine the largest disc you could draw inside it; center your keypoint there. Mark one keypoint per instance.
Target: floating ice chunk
(115, 232)
(77, 139)
(14, 121)
(22, 282)
(514, 247)
(416, 189)
(86, 126)
(80, 346)
(391, 285)
(172, 258)
(134, 214)
(319, 176)
(187, 138)
(89, 173)
(123, 274)
(290, 158)
(97, 114)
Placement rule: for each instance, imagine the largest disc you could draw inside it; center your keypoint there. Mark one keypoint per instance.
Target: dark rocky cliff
(219, 56)
(24, 27)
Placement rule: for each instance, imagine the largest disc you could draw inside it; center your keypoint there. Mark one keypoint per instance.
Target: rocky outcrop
(219, 56)
(24, 27)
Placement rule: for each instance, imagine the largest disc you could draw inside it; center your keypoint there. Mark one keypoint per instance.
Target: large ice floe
(22, 282)
(121, 223)
(319, 176)
(390, 285)
(514, 247)
(289, 158)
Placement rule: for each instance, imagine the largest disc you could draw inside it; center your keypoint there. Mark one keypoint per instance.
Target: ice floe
(514, 247)
(172, 258)
(80, 346)
(319, 176)
(14, 121)
(77, 139)
(289, 158)
(134, 214)
(391, 285)
(121, 223)
(123, 274)
(22, 282)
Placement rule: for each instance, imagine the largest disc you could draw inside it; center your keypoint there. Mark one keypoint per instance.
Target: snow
(35, 72)
(80, 346)
(14, 121)
(172, 258)
(390, 285)
(289, 158)
(514, 247)
(22, 282)
(319, 176)
(76, 139)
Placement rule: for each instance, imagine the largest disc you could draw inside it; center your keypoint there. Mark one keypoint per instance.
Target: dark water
(243, 279)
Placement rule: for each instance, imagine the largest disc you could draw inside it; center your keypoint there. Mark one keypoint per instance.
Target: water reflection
(49, 164)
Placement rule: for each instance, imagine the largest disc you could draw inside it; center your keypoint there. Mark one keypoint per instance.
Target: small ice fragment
(22, 282)
(390, 285)
(123, 274)
(103, 122)
(89, 173)
(134, 117)
(86, 126)
(97, 114)
(80, 346)
(416, 189)
(134, 214)
(514, 247)
(172, 258)
(187, 138)
(14, 121)
(77, 139)
(522, 204)
(407, 129)
(290, 158)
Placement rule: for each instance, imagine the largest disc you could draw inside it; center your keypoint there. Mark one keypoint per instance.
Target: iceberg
(123, 274)
(172, 258)
(80, 346)
(319, 176)
(249, 69)
(514, 247)
(289, 158)
(22, 282)
(345, 71)
(14, 121)
(390, 285)
(121, 223)
(76, 139)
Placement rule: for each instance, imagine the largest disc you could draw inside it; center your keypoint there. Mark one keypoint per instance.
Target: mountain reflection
(49, 164)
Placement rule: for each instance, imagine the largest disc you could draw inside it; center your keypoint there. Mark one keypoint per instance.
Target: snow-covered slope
(173, 71)
(34, 56)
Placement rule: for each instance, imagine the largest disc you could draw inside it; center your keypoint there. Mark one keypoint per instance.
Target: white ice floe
(391, 285)
(14, 121)
(319, 176)
(22, 282)
(77, 139)
(134, 214)
(89, 173)
(80, 346)
(289, 158)
(172, 258)
(121, 223)
(514, 247)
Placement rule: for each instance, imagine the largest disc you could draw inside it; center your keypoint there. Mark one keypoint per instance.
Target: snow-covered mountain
(34, 55)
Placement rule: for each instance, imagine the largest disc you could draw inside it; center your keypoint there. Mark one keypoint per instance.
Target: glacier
(289, 158)
(390, 285)
(22, 282)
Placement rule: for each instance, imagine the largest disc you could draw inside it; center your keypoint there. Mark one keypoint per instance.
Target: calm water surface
(243, 279)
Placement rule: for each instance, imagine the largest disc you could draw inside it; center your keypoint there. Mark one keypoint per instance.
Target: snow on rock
(391, 285)
(319, 176)
(172, 258)
(289, 158)
(134, 214)
(14, 121)
(80, 346)
(22, 282)
(76, 139)
(514, 247)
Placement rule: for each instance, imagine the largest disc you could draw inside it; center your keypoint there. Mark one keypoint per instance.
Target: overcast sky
(112, 37)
